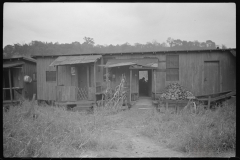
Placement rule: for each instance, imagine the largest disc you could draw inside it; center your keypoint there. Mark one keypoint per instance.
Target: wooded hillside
(89, 46)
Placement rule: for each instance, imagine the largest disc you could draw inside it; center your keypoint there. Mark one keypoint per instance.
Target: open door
(145, 83)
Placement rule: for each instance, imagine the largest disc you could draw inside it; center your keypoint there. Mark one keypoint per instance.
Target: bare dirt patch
(125, 130)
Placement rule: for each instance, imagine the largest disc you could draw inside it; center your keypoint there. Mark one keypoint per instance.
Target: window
(50, 76)
(172, 66)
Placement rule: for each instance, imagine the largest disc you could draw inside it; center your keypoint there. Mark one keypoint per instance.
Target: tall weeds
(54, 132)
(203, 133)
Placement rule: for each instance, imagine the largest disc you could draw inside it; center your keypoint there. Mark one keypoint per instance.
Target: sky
(118, 23)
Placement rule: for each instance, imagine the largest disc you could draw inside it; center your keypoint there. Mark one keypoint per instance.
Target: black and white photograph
(119, 80)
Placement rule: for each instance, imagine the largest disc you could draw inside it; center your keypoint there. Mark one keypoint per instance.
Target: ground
(125, 131)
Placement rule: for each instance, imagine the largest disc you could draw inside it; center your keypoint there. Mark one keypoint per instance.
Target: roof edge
(166, 51)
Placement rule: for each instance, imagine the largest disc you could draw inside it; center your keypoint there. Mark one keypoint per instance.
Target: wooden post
(155, 81)
(107, 76)
(209, 101)
(57, 75)
(87, 81)
(130, 85)
(94, 81)
(10, 84)
(166, 106)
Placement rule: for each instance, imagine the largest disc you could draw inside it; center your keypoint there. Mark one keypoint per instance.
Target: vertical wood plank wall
(45, 90)
(191, 69)
(191, 72)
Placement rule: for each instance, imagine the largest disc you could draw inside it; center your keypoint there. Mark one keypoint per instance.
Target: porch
(12, 82)
(76, 83)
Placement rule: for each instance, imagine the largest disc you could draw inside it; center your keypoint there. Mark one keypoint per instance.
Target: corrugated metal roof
(12, 64)
(146, 62)
(67, 60)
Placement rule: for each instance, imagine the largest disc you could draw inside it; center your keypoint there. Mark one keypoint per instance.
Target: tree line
(89, 46)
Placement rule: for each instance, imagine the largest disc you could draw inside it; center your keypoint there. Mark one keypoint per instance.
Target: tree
(89, 41)
(224, 46)
(8, 50)
(170, 41)
(210, 44)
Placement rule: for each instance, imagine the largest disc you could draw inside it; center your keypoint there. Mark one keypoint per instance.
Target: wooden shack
(69, 79)
(15, 69)
(199, 71)
(80, 77)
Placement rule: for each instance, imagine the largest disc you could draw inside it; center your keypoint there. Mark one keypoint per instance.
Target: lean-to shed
(19, 78)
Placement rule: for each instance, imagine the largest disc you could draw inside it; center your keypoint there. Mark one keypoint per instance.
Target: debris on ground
(175, 91)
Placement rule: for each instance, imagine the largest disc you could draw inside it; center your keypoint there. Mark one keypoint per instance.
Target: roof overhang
(135, 63)
(69, 60)
(11, 64)
(21, 57)
(233, 52)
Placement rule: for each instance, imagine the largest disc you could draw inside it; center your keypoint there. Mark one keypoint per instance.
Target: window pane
(172, 75)
(172, 61)
(50, 76)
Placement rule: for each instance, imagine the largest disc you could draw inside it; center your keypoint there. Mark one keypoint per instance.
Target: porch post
(155, 81)
(107, 76)
(56, 90)
(57, 75)
(130, 85)
(88, 80)
(10, 84)
(94, 80)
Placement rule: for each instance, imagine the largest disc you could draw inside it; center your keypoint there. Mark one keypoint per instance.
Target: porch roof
(12, 64)
(146, 62)
(67, 60)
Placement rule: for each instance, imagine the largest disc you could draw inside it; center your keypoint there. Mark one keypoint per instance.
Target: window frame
(47, 79)
(172, 67)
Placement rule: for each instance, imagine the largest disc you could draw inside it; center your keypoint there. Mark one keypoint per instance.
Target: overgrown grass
(53, 132)
(197, 134)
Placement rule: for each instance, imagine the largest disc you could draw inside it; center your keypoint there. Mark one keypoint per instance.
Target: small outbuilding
(19, 78)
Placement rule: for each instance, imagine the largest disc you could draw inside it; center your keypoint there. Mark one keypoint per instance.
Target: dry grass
(202, 134)
(53, 132)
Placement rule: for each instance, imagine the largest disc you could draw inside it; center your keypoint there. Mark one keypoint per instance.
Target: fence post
(209, 101)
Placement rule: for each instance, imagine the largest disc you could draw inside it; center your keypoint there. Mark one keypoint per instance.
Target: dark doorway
(145, 83)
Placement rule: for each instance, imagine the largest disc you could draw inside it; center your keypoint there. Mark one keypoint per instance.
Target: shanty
(19, 79)
(80, 78)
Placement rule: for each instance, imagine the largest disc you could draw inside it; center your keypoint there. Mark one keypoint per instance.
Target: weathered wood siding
(29, 69)
(45, 90)
(191, 70)
(17, 81)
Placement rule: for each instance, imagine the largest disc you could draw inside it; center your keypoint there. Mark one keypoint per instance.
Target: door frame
(219, 75)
